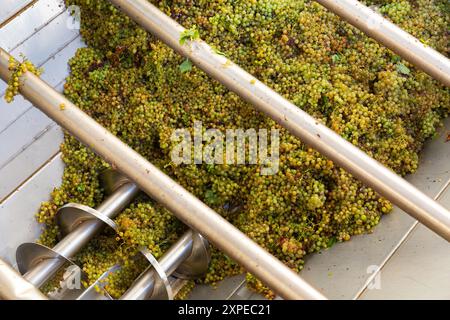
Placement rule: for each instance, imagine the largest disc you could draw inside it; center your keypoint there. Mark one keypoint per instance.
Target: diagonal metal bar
(388, 34)
(162, 188)
(383, 180)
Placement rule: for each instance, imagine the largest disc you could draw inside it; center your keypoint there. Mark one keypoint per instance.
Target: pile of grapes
(142, 91)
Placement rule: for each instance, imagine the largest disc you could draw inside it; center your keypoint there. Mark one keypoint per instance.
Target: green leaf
(81, 187)
(331, 242)
(185, 118)
(335, 58)
(186, 66)
(401, 68)
(396, 58)
(189, 34)
(211, 198)
(217, 51)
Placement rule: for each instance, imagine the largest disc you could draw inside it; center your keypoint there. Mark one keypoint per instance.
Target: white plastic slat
(28, 152)
(17, 214)
(9, 8)
(24, 132)
(28, 22)
(29, 138)
(18, 139)
(46, 42)
(29, 161)
(55, 71)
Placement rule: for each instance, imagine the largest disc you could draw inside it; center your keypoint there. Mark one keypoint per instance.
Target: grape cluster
(131, 83)
(18, 68)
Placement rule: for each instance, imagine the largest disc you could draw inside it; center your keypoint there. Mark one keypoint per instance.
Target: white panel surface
(9, 8)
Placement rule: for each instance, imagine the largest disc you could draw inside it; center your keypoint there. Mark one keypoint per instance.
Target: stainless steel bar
(71, 244)
(169, 262)
(298, 122)
(177, 253)
(155, 183)
(118, 200)
(14, 287)
(388, 34)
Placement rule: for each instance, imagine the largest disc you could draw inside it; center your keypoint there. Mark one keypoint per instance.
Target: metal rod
(71, 244)
(388, 34)
(299, 123)
(14, 287)
(162, 188)
(169, 262)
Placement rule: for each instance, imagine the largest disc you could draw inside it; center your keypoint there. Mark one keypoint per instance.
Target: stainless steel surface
(67, 289)
(161, 288)
(38, 263)
(298, 122)
(35, 121)
(93, 292)
(178, 253)
(14, 287)
(42, 46)
(30, 141)
(29, 160)
(28, 137)
(73, 242)
(385, 32)
(176, 284)
(144, 287)
(18, 211)
(111, 180)
(30, 254)
(197, 263)
(71, 215)
(419, 268)
(118, 200)
(150, 179)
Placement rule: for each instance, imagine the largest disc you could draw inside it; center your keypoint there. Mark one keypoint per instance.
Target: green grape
(18, 69)
(131, 83)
